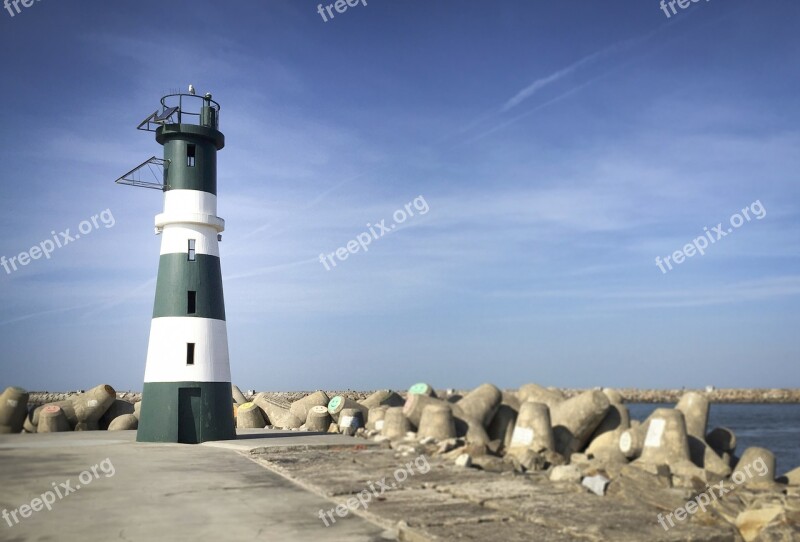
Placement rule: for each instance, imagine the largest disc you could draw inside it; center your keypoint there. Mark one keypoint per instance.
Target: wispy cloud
(543, 82)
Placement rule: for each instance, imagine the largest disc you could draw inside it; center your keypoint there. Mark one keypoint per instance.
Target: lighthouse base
(186, 412)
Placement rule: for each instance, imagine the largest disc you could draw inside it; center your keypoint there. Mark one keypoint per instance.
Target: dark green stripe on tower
(187, 412)
(190, 168)
(177, 276)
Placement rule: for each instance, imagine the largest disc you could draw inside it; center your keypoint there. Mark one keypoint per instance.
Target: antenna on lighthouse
(187, 382)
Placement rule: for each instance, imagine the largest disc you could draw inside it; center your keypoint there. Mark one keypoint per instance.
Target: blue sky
(560, 147)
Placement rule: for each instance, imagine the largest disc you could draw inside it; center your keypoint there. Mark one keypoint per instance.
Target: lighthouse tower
(187, 383)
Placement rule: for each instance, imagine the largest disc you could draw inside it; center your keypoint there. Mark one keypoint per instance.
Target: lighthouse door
(189, 415)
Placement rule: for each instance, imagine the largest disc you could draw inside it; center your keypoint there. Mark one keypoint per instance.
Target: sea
(771, 426)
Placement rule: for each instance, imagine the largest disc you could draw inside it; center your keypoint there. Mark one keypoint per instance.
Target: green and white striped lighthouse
(187, 382)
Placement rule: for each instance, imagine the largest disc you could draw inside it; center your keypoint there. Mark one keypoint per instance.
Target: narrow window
(192, 253)
(190, 150)
(192, 303)
(189, 353)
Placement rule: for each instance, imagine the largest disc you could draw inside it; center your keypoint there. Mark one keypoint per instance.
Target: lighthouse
(186, 396)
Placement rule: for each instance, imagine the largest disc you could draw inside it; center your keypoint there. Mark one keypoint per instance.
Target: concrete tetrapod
(575, 419)
(395, 423)
(755, 469)
(501, 427)
(539, 394)
(383, 398)
(472, 430)
(437, 422)
(117, 408)
(695, 408)
(52, 420)
(791, 478)
(90, 407)
(666, 441)
(126, 422)
(298, 410)
(614, 397)
(237, 395)
(32, 421)
(617, 418)
(481, 403)
(631, 441)
(421, 388)
(605, 442)
(350, 419)
(375, 417)
(275, 410)
(249, 416)
(318, 419)
(28, 425)
(13, 409)
(722, 440)
(533, 430)
(416, 403)
(339, 403)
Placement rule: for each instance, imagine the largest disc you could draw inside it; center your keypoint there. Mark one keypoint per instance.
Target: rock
(637, 486)
(752, 522)
(566, 473)
(597, 484)
(528, 460)
(464, 460)
(448, 445)
(490, 463)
